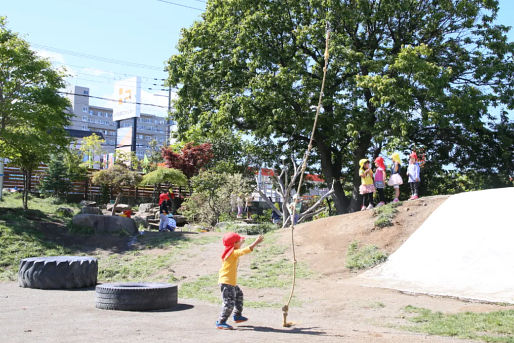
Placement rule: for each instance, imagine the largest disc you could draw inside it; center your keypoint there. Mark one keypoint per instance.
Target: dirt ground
(335, 307)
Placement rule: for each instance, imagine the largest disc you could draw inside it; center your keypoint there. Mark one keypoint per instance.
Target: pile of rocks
(102, 222)
(147, 215)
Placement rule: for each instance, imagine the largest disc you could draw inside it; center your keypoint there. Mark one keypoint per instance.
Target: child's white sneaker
(370, 206)
(380, 204)
(363, 208)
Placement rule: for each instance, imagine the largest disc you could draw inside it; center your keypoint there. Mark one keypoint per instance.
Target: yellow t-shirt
(365, 180)
(228, 270)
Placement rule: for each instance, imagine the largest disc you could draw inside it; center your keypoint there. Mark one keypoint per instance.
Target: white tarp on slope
(464, 249)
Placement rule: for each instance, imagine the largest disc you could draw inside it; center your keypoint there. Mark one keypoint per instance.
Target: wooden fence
(83, 190)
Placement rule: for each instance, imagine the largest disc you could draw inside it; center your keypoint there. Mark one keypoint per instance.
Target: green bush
(249, 229)
(263, 218)
(259, 229)
(386, 214)
(363, 257)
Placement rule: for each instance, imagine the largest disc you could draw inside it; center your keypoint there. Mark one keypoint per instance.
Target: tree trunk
(118, 197)
(332, 173)
(25, 194)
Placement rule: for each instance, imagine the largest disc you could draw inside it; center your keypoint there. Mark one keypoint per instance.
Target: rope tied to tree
(285, 308)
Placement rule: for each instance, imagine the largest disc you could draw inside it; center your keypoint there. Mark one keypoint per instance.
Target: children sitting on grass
(230, 292)
(172, 224)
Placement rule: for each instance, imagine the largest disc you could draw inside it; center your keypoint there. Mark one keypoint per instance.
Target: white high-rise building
(90, 119)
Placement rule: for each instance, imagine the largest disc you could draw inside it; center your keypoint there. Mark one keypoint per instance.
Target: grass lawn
(142, 264)
(362, 257)
(269, 269)
(19, 233)
(495, 326)
(38, 232)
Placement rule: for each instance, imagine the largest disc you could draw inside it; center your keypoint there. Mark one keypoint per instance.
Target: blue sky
(144, 32)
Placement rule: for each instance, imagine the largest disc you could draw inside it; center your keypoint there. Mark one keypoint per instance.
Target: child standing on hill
(413, 174)
(380, 176)
(230, 291)
(366, 188)
(396, 180)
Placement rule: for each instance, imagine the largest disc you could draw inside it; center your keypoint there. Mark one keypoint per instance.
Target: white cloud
(52, 56)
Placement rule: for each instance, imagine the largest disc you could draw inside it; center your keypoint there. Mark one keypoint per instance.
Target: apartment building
(95, 119)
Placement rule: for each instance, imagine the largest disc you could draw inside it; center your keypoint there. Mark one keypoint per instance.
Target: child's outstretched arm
(257, 241)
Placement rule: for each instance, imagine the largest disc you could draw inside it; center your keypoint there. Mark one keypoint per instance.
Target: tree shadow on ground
(296, 330)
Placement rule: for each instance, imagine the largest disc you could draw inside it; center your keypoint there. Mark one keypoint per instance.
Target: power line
(85, 79)
(98, 58)
(115, 74)
(114, 100)
(174, 3)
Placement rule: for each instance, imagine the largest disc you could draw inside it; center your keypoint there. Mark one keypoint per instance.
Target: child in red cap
(230, 292)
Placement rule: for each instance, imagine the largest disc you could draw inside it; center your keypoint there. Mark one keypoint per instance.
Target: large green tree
(32, 112)
(401, 72)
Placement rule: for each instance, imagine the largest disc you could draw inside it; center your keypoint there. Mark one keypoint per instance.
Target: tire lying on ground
(133, 296)
(58, 272)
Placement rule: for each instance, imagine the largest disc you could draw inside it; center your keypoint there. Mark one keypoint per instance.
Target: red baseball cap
(229, 239)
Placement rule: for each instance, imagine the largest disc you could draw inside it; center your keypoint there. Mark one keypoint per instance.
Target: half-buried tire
(136, 296)
(58, 272)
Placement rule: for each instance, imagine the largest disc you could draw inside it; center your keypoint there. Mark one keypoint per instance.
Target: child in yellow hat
(366, 188)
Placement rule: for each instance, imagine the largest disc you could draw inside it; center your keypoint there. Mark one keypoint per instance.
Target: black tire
(133, 296)
(58, 272)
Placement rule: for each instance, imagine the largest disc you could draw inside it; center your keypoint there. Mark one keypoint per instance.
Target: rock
(139, 220)
(146, 207)
(86, 203)
(180, 220)
(65, 211)
(91, 210)
(119, 207)
(106, 224)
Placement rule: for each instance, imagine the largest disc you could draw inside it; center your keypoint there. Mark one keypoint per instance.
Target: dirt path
(344, 312)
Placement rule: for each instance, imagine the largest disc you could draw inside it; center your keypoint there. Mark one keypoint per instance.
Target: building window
(84, 127)
(84, 118)
(91, 111)
(85, 92)
(84, 109)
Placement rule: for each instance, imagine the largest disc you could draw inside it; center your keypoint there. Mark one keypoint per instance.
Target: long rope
(285, 308)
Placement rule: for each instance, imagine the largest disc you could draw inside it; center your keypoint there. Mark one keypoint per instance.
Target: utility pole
(168, 128)
(1, 176)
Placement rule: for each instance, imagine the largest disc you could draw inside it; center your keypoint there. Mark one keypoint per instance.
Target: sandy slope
(464, 249)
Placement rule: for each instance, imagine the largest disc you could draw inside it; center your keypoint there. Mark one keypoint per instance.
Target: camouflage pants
(232, 297)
